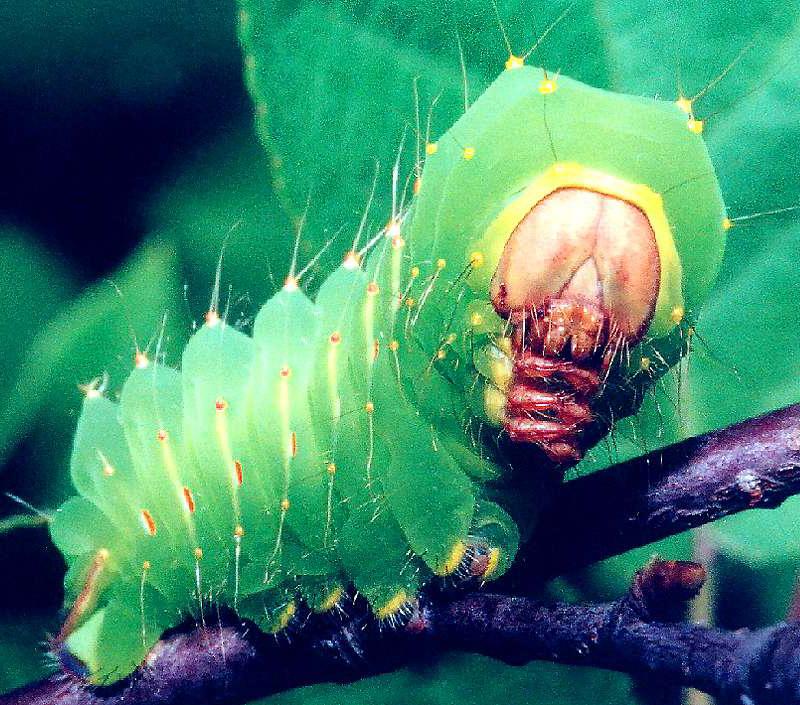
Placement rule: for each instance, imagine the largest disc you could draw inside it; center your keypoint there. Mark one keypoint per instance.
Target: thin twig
(754, 464)
(625, 635)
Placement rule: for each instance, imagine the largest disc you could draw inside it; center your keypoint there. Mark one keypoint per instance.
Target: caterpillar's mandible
(543, 277)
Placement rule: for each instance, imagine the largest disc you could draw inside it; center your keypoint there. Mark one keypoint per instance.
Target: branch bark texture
(231, 663)
(752, 465)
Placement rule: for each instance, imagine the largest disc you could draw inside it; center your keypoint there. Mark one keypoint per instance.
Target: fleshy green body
(295, 461)
(347, 440)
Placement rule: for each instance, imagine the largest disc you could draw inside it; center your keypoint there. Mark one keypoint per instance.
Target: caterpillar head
(591, 227)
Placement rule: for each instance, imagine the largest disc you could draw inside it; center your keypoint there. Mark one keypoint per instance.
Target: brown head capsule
(578, 279)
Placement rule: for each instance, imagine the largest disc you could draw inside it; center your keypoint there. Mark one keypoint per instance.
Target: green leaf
(657, 50)
(332, 85)
(21, 648)
(25, 268)
(91, 336)
(744, 359)
(223, 196)
(748, 362)
(754, 583)
(84, 51)
(750, 325)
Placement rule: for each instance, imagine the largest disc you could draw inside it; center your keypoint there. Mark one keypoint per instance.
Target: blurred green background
(129, 154)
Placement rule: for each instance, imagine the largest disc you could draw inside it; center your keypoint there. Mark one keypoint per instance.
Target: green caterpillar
(357, 439)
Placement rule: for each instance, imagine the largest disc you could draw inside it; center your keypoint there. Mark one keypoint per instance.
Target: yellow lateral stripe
(573, 175)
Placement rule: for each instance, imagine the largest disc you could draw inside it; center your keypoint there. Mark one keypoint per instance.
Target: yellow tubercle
(468, 153)
(93, 389)
(685, 104)
(392, 606)
(547, 86)
(284, 617)
(140, 360)
(727, 223)
(492, 562)
(331, 600)
(506, 345)
(352, 261)
(431, 148)
(695, 126)
(502, 372)
(453, 560)
(494, 404)
(514, 62)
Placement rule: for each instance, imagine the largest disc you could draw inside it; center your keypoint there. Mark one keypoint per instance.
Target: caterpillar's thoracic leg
(549, 401)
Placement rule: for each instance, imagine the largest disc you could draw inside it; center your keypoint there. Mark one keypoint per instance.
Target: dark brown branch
(229, 664)
(754, 464)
